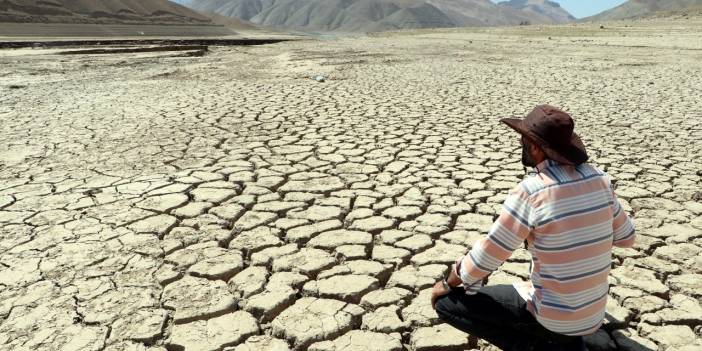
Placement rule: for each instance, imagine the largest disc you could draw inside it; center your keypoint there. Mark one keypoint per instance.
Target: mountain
(99, 12)
(547, 9)
(379, 15)
(644, 8)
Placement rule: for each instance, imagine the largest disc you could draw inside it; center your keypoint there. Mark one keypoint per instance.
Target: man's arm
(506, 235)
(622, 226)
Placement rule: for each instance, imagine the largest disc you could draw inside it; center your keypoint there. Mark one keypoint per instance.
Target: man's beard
(527, 160)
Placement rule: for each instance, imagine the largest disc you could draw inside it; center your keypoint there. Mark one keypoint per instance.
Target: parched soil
(307, 194)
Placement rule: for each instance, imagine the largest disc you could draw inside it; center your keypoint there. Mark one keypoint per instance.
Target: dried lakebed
(231, 202)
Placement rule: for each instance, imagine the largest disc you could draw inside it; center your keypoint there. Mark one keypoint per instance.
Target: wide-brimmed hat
(552, 130)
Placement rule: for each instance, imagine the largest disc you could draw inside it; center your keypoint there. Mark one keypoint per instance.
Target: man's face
(527, 158)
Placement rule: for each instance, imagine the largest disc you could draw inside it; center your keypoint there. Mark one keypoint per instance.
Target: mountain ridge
(379, 15)
(99, 12)
(633, 9)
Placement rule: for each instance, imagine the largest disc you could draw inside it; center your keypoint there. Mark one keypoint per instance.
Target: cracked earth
(230, 202)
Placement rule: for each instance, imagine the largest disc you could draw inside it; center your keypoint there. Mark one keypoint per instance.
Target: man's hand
(438, 291)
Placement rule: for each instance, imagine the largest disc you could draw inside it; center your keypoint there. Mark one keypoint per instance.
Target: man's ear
(537, 153)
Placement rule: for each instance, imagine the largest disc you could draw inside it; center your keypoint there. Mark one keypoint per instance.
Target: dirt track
(151, 202)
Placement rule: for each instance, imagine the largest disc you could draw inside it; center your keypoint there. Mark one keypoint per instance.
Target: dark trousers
(498, 315)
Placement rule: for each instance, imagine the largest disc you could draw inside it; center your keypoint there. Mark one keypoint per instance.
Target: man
(569, 217)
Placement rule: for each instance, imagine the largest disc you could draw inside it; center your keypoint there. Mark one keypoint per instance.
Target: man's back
(575, 219)
(570, 217)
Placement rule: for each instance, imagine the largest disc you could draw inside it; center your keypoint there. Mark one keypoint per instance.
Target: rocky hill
(644, 8)
(98, 12)
(378, 15)
(548, 10)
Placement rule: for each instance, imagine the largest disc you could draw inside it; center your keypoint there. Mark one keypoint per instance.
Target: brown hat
(552, 130)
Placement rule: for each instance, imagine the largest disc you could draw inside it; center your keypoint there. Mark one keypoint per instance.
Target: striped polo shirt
(570, 218)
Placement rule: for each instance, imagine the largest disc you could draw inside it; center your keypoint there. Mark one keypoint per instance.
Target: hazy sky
(584, 8)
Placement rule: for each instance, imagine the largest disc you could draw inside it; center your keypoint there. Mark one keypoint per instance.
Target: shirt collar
(545, 164)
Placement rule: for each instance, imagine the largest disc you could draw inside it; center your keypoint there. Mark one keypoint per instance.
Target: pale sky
(585, 8)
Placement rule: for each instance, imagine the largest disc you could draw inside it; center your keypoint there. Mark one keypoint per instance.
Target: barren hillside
(378, 15)
(103, 11)
(644, 8)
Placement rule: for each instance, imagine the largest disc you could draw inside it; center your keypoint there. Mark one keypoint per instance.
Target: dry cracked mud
(231, 202)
